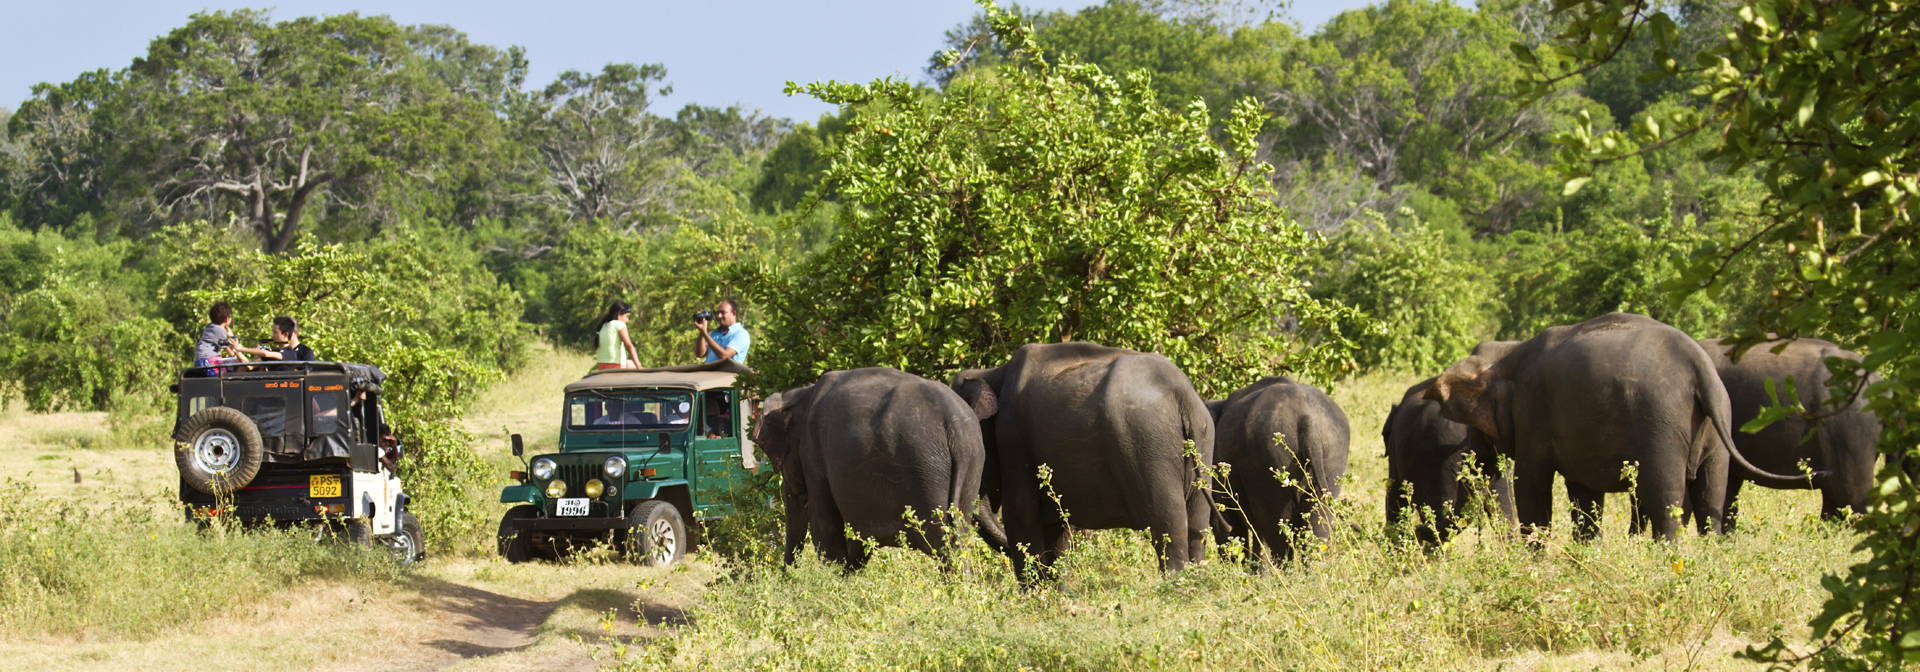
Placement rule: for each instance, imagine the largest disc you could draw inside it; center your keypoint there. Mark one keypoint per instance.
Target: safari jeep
(643, 452)
(292, 444)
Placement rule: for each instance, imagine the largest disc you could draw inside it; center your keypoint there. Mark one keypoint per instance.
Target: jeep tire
(513, 543)
(656, 534)
(408, 542)
(218, 451)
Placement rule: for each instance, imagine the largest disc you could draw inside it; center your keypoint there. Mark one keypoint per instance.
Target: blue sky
(716, 53)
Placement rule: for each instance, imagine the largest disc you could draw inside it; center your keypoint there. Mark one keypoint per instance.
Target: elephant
(867, 449)
(1277, 426)
(1844, 443)
(1110, 425)
(1616, 403)
(1428, 463)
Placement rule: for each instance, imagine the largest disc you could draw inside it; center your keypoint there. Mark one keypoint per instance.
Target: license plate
(572, 506)
(323, 485)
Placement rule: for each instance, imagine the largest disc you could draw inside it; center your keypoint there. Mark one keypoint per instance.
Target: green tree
(1429, 300)
(271, 120)
(1043, 202)
(1823, 99)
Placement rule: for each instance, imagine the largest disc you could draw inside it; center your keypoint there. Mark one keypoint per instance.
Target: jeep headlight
(594, 488)
(616, 467)
(543, 468)
(556, 488)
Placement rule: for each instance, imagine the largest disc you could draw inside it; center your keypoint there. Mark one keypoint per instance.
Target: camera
(703, 315)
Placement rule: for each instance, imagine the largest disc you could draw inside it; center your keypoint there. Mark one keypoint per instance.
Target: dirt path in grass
(471, 628)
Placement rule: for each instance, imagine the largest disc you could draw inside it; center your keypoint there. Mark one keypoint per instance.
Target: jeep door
(715, 454)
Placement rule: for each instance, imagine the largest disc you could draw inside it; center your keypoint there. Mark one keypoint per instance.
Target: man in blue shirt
(728, 339)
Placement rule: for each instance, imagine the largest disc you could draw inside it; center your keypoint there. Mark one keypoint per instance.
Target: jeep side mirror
(666, 442)
(519, 445)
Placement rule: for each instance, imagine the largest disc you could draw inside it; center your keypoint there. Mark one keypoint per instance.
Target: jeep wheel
(513, 544)
(218, 451)
(656, 535)
(408, 542)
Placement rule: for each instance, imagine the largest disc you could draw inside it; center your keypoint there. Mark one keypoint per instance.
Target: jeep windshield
(595, 411)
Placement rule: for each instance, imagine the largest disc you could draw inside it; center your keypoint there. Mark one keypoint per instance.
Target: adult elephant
(1616, 403)
(1273, 427)
(1429, 466)
(1843, 442)
(868, 449)
(1111, 426)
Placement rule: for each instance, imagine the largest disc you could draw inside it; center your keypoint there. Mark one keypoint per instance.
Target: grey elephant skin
(1429, 466)
(865, 449)
(1277, 426)
(1590, 399)
(1111, 425)
(1843, 443)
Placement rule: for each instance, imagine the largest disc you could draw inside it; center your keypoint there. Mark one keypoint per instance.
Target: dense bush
(1429, 300)
(1043, 203)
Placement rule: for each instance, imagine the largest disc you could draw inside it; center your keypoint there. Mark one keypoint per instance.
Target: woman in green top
(613, 337)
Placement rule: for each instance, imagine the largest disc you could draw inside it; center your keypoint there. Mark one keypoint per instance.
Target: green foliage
(1044, 203)
(1820, 100)
(1564, 277)
(1429, 300)
(72, 335)
(792, 170)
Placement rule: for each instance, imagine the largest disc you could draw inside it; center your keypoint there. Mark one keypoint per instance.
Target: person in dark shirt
(286, 334)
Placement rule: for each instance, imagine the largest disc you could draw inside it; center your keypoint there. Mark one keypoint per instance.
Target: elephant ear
(980, 397)
(1469, 393)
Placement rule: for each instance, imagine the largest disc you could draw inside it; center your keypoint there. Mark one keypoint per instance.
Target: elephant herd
(1083, 436)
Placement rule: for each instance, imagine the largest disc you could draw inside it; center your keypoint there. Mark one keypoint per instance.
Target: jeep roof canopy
(708, 376)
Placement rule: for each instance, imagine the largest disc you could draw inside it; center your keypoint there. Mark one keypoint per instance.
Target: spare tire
(218, 451)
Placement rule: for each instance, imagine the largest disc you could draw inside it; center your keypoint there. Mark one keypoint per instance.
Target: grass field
(99, 574)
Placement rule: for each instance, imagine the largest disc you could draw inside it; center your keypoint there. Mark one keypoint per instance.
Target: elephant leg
(1662, 493)
(1199, 521)
(1837, 501)
(1732, 506)
(1020, 515)
(796, 501)
(1588, 505)
(858, 551)
(1533, 495)
(1503, 496)
(828, 527)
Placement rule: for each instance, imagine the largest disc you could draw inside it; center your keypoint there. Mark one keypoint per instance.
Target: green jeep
(642, 452)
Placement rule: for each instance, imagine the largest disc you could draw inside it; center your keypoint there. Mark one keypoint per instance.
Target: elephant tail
(1196, 425)
(964, 491)
(1720, 413)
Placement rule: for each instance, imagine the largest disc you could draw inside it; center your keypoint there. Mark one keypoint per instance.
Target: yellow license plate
(319, 485)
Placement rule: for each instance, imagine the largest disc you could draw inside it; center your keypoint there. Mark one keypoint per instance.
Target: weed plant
(132, 567)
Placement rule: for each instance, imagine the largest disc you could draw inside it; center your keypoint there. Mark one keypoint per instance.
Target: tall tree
(601, 154)
(275, 119)
(59, 161)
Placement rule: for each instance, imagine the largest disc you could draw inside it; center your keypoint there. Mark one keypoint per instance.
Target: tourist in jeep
(286, 334)
(216, 345)
(727, 340)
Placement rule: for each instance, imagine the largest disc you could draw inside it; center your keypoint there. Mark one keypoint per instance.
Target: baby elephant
(1272, 429)
(1430, 468)
(869, 449)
